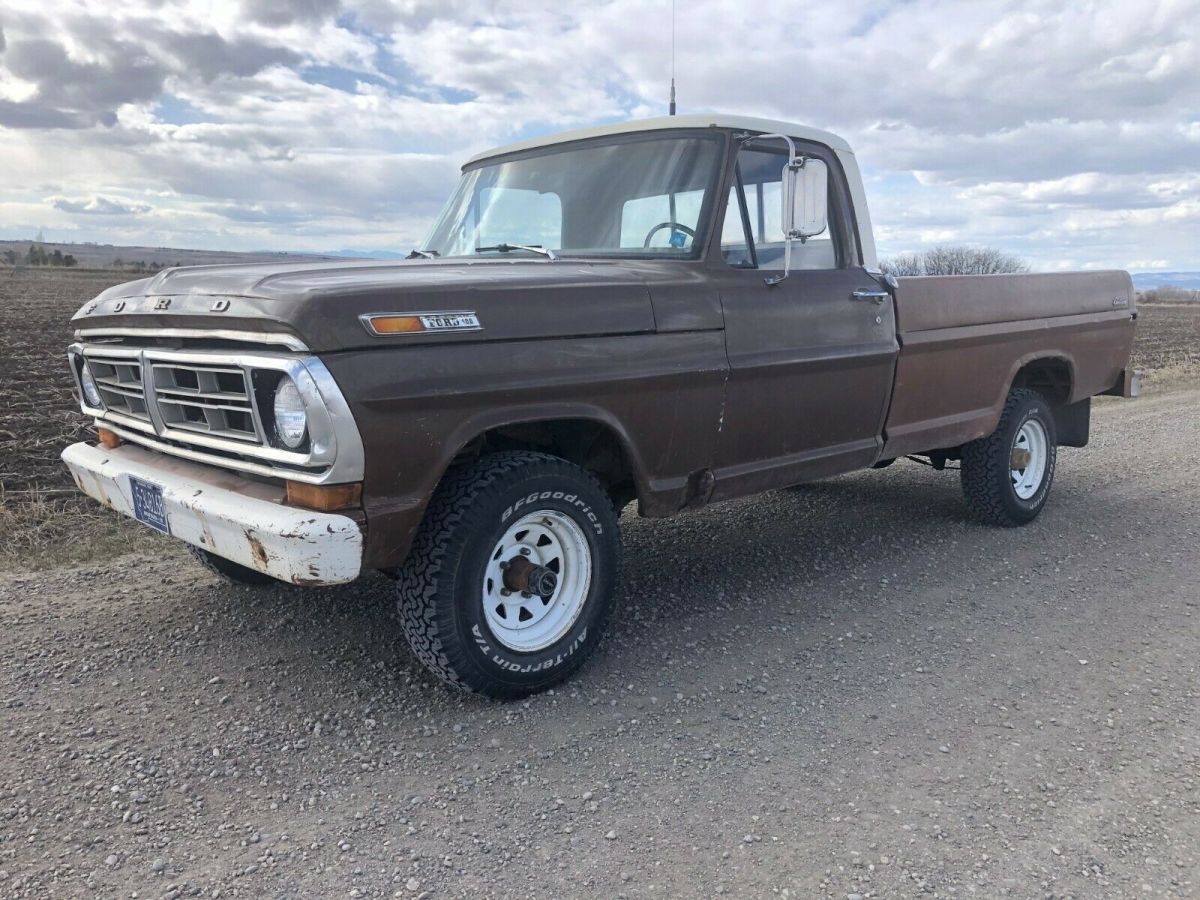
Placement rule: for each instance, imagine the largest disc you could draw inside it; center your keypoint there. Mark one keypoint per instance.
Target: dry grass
(1168, 338)
(1167, 348)
(43, 519)
(40, 529)
(1181, 373)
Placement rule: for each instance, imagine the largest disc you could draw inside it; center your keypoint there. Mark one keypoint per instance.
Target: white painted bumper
(242, 520)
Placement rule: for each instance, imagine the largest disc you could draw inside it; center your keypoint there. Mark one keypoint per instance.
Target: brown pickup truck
(673, 311)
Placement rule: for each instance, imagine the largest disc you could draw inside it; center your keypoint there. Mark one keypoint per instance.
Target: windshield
(643, 196)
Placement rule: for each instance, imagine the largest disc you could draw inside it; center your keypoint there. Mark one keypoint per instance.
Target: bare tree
(904, 264)
(945, 260)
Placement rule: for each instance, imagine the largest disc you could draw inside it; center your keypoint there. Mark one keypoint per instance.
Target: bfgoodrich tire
(228, 570)
(512, 575)
(1006, 476)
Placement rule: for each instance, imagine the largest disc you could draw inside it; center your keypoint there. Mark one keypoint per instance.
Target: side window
(762, 183)
(734, 245)
(642, 216)
(519, 216)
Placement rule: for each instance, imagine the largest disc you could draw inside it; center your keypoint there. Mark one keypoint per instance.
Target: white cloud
(1066, 131)
(99, 206)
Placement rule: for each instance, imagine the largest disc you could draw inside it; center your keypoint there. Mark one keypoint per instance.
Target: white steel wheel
(1030, 453)
(537, 581)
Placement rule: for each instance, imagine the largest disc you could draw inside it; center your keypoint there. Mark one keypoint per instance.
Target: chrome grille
(207, 405)
(119, 380)
(209, 399)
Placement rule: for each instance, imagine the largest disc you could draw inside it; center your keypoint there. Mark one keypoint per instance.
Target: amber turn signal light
(109, 439)
(394, 324)
(324, 497)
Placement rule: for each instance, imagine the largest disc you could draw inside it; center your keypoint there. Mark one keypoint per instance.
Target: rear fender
(1023, 363)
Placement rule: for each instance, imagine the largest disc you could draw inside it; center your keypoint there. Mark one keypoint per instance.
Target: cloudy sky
(1066, 132)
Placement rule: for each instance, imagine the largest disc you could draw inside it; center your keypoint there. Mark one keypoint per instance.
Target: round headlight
(91, 393)
(291, 422)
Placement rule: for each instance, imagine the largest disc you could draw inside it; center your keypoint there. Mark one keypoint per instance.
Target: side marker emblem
(383, 324)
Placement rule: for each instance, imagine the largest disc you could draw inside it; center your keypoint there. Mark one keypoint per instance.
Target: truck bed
(964, 339)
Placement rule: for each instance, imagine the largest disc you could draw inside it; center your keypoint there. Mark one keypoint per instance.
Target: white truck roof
(838, 145)
(711, 120)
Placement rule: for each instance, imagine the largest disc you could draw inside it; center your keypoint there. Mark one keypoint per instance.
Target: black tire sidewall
(509, 670)
(1034, 407)
(232, 571)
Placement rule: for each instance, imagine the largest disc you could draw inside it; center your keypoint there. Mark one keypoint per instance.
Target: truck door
(811, 358)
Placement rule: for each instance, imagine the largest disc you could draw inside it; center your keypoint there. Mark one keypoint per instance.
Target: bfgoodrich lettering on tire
(1006, 476)
(512, 575)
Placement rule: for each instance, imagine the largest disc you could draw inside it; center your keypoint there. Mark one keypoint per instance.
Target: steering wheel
(661, 225)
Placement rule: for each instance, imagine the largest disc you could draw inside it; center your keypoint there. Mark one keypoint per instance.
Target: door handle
(876, 295)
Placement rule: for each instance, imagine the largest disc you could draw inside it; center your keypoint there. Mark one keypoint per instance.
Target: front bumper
(240, 520)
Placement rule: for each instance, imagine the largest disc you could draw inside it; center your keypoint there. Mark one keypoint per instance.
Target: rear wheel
(512, 575)
(1006, 476)
(231, 571)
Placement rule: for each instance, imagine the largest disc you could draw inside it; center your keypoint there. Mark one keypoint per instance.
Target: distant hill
(1146, 281)
(106, 256)
(368, 254)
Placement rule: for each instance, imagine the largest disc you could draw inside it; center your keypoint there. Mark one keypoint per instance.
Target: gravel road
(848, 690)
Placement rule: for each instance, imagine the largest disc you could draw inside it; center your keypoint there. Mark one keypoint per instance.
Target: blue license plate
(148, 505)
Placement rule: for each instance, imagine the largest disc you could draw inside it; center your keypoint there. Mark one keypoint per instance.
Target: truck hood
(321, 302)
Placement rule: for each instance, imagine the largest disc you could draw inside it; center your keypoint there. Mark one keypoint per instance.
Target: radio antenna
(671, 108)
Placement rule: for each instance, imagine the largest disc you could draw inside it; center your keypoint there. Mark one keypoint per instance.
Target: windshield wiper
(532, 248)
(422, 254)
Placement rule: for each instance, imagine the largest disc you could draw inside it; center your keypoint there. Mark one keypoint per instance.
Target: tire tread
(985, 465)
(440, 538)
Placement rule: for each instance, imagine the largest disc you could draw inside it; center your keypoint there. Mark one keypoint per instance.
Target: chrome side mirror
(806, 198)
(805, 195)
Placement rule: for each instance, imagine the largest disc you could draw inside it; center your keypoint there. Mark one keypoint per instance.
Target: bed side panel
(964, 339)
(926, 303)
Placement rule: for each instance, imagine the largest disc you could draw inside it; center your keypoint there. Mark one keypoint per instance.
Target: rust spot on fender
(206, 535)
(257, 550)
(101, 493)
(314, 579)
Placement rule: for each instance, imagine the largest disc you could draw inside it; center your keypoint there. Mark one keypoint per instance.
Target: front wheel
(512, 575)
(1006, 476)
